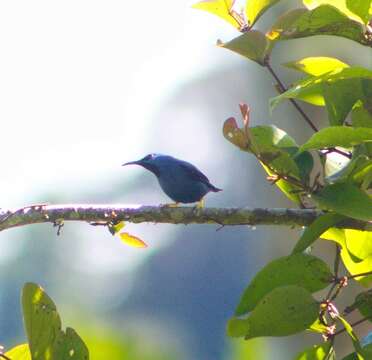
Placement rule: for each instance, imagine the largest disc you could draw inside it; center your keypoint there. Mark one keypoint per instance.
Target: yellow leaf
(353, 264)
(316, 65)
(220, 8)
(132, 240)
(19, 352)
(255, 8)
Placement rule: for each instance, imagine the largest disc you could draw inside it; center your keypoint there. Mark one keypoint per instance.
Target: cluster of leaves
(279, 301)
(46, 339)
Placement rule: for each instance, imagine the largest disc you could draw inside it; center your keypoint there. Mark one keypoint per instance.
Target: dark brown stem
(336, 267)
(283, 89)
(338, 151)
(291, 179)
(352, 325)
(360, 274)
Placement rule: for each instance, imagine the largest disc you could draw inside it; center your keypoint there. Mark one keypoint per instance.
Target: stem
(338, 151)
(360, 274)
(283, 89)
(336, 267)
(291, 179)
(352, 325)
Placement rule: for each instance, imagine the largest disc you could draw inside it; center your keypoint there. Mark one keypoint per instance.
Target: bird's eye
(148, 157)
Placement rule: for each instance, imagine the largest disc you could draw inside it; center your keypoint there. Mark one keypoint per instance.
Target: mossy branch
(57, 214)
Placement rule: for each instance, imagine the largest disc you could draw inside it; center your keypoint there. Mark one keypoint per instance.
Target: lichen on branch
(91, 213)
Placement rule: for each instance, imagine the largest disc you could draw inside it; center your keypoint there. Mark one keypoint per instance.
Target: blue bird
(180, 180)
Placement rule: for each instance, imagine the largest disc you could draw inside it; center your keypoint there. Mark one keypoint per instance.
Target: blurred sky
(81, 80)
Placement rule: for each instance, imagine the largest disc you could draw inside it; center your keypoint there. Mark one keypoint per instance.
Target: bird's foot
(171, 205)
(200, 204)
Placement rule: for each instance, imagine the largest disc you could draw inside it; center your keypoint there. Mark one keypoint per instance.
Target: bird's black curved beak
(138, 162)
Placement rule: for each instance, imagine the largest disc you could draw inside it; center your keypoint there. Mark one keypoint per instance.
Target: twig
(336, 267)
(283, 89)
(352, 325)
(360, 274)
(340, 152)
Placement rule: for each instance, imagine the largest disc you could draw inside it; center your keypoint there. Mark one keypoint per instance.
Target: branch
(57, 214)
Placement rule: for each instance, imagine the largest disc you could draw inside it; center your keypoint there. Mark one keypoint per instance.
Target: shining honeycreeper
(180, 180)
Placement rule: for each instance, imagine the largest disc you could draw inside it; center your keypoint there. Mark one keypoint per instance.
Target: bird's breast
(181, 188)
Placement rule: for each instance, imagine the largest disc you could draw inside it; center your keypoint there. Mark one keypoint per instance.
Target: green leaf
(353, 264)
(269, 138)
(362, 8)
(355, 170)
(115, 228)
(305, 164)
(367, 354)
(43, 328)
(323, 20)
(354, 9)
(68, 345)
(316, 352)
(343, 136)
(318, 327)
(303, 270)
(317, 228)
(253, 45)
(345, 199)
(41, 319)
(20, 352)
(360, 116)
(288, 189)
(284, 311)
(275, 147)
(316, 66)
(363, 302)
(285, 22)
(255, 9)
(354, 338)
(339, 97)
(220, 8)
(311, 89)
(363, 175)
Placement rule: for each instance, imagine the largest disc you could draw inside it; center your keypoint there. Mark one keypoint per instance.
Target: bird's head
(149, 162)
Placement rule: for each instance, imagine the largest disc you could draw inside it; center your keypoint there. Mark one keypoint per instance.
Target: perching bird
(180, 180)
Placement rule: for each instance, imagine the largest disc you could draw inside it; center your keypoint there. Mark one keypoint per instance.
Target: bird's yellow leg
(200, 204)
(171, 205)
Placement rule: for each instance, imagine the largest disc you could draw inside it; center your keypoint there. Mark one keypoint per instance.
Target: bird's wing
(194, 172)
(197, 175)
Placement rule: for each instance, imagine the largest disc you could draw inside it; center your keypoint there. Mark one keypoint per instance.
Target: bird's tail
(213, 188)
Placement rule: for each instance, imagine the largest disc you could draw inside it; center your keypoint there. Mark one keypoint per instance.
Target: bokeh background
(88, 85)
